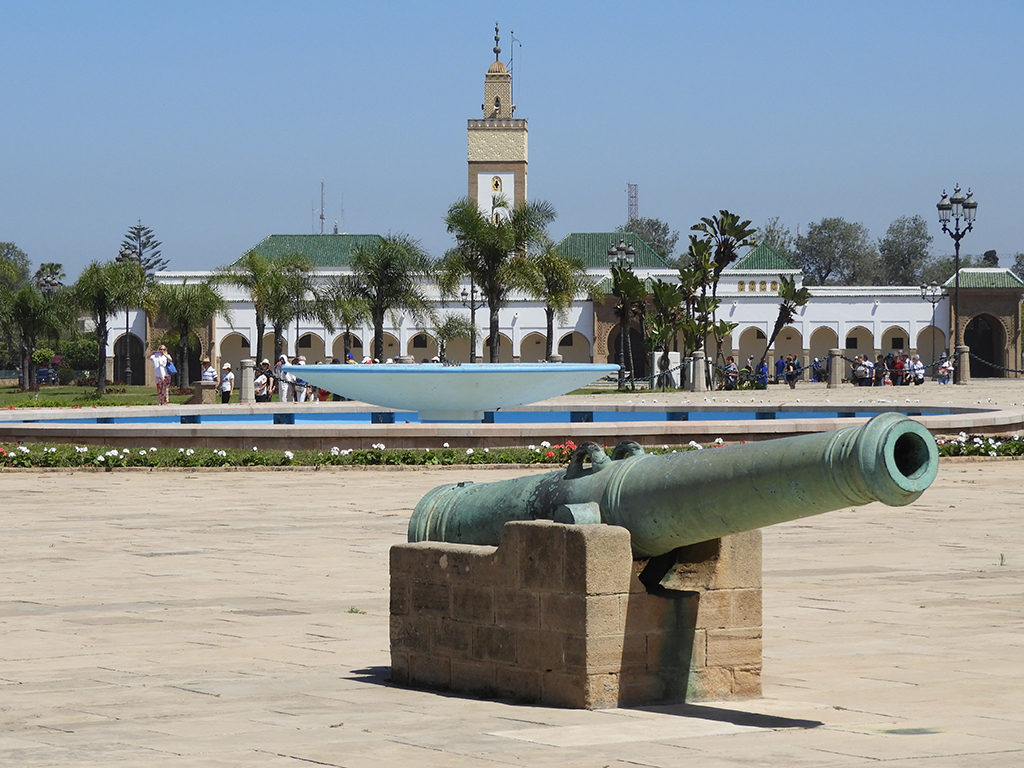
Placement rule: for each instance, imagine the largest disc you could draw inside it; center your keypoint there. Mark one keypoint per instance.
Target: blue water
(497, 417)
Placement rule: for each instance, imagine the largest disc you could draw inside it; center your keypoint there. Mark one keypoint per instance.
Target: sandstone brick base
(557, 614)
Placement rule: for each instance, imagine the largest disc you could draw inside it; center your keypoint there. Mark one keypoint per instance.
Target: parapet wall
(557, 615)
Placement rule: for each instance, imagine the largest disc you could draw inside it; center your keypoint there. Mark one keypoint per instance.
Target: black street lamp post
(932, 293)
(621, 257)
(958, 207)
(469, 300)
(127, 252)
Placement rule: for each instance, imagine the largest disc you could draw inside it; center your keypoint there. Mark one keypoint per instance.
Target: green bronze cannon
(673, 500)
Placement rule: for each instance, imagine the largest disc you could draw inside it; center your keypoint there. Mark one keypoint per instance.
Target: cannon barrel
(672, 500)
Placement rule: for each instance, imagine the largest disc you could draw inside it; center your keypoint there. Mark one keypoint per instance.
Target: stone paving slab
(241, 619)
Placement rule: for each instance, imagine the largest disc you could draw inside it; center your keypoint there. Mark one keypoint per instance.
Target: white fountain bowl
(451, 393)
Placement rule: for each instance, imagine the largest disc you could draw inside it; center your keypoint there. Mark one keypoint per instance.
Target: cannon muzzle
(672, 500)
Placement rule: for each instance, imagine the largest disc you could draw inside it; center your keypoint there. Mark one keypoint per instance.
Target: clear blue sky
(214, 122)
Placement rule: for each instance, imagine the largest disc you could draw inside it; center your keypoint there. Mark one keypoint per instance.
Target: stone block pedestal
(558, 615)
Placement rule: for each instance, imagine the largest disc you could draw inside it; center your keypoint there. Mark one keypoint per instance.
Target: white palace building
(862, 320)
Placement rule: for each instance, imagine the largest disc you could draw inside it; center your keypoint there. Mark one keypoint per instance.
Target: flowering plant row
(40, 455)
(48, 455)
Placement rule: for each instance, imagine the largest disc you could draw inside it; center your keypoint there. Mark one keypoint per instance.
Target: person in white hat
(263, 382)
(284, 380)
(227, 384)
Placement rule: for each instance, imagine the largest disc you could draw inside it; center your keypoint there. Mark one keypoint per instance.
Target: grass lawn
(53, 396)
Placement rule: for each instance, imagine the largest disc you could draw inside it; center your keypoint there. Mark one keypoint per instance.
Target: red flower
(549, 455)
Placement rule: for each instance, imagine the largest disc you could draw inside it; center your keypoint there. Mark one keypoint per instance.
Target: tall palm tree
(667, 301)
(348, 310)
(292, 294)
(34, 315)
(103, 289)
(388, 276)
(562, 279)
(496, 243)
(187, 307)
(253, 273)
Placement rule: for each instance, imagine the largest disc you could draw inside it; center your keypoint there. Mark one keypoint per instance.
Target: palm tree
(347, 310)
(388, 277)
(186, 308)
(631, 292)
(668, 314)
(253, 273)
(449, 327)
(292, 295)
(562, 279)
(792, 298)
(34, 315)
(104, 289)
(726, 234)
(495, 243)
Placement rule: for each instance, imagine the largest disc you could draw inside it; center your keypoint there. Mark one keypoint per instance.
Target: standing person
(780, 369)
(791, 372)
(227, 384)
(881, 374)
(299, 386)
(161, 360)
(761, 377)
(917, 370)
(898, 370)
(262, 382)
(209, 373)
(284, 380)
(732, 373)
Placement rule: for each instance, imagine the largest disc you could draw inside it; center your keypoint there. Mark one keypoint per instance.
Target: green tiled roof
(764, 258)
(592, 249)
(986, 278)
(323, 250)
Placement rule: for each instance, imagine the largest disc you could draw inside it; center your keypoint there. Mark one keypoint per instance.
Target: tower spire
(497, 41)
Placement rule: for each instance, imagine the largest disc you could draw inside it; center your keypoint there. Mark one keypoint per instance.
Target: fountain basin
(451, 393)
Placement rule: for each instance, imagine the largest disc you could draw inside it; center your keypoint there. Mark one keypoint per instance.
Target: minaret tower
(497, 143)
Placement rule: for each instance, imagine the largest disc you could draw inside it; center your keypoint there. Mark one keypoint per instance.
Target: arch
(859, 341)
(532, 347)
(135, 355)
(504, 349)
(312, 347)
(986, 337)
(422, 346)
(895, 338)
(457, 349)
(752, 344)
(790, 342)
(234, 348)
(931, 344)
(822, 340)
(636, 342)
(575, 348)
(355, 347)
(392, 347)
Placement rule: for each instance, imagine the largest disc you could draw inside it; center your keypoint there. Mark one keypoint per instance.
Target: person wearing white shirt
(227, 384)
(161, 360)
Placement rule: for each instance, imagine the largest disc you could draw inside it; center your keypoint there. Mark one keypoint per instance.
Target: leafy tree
(939, 269)
(495, 250)
(776, 236)
(836, 252)
(388, 277)
(103, 289)
(253, 273)
(1018, 264)
(990, 259)
(186, 307)
(656, 233)
(79, 353)
(451, 326)
(792, 299)
(348, 310)
(140, 245)
(14, 266)
(904, 251)
(49, 276)
(562, 279)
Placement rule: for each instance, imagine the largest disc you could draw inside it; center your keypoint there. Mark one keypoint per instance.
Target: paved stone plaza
(240, 618)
